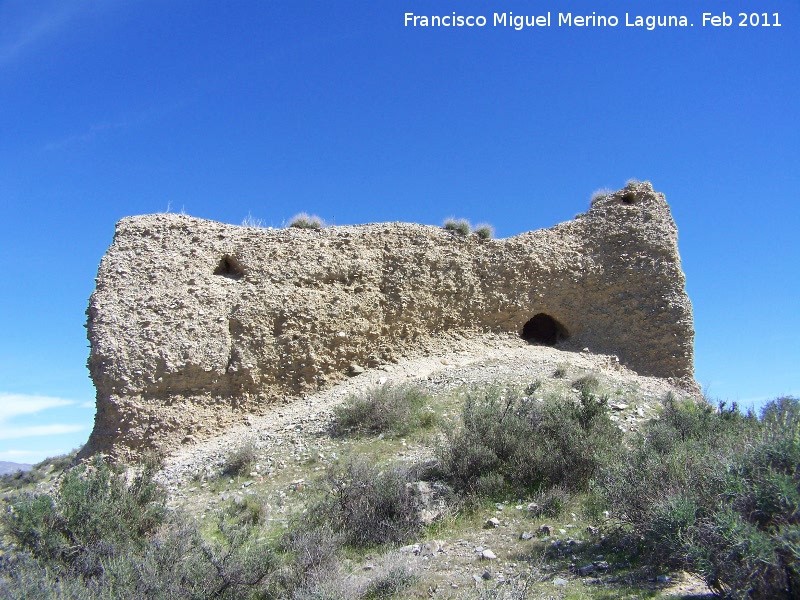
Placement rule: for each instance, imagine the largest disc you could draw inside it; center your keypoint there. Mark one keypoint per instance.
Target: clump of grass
(250, 221)
(247, 510)
(532, 388)
(388, 409)
(562, 370)
(484, 231)
(392, 577)
(632, 183)
(550, 502)
(306, 221)
(241, 459)
(587, 384)
(601, 194)
(460, 226)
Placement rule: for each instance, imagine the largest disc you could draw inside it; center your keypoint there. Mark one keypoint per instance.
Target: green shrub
(484, 231)
(368, 505)
(313, 550)
(107, 535)
(532, 388)
(550, 502)
(562, 370)
(306, 221)
(504, 440)
(20, 479)
(247, 510)
(384, 409)
(389, 582)
(95, 514)
(460, 226)
(715, 492)
(241, 459)
(587, 384)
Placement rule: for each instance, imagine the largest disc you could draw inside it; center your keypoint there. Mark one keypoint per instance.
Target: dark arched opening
(229, 267)
(544, 329)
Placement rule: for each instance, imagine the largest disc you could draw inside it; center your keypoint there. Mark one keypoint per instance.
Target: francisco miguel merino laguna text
(518, 22)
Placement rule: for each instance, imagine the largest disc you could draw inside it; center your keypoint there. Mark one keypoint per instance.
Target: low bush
(715, 492)
(313, 548)
(561, 371)
(460, 226)
(306, 221)
(241, 459)
(550, 502)
(104, 534)
(368, 505)
(533, 387)
(247, 510)
(20, 479)
(390, 580)
(587, 384)
(96, 514)
(388, 409)
(506, 441)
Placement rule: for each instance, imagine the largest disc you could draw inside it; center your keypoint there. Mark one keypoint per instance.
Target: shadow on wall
(544, 329)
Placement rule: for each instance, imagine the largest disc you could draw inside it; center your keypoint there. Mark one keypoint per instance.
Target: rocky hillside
(276, 464)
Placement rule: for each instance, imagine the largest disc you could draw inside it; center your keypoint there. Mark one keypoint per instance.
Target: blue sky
(269, 108)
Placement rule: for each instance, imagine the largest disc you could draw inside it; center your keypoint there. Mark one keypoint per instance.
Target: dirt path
(457, 362)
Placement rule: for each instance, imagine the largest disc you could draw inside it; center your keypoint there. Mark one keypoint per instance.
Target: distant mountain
(10, 467)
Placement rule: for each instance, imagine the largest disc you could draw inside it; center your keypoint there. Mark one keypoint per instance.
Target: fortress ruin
(194, 322)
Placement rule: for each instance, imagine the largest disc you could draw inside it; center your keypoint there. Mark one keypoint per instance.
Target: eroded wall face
(194, 323)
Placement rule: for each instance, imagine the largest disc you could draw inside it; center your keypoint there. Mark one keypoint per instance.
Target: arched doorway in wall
(544, 329)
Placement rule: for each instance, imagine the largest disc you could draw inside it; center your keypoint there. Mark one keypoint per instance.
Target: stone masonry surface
(195, 324)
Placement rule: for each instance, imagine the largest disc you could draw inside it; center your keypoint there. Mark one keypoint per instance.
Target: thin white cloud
(13, 433)
(28, 23)
(21, 405)
(12, 405)
(87, 136)
(29, 456)
(88, 404)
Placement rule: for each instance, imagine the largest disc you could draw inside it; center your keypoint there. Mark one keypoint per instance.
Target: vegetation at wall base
(703, 489)
(367, 504)
(508, 442)
(38, 472)
(386, 409)
(715, 492)
(240, 460)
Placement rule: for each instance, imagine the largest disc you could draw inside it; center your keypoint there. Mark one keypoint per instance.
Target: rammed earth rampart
(194, 321)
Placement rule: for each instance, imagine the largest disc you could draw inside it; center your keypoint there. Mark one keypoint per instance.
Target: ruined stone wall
(194, 322)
